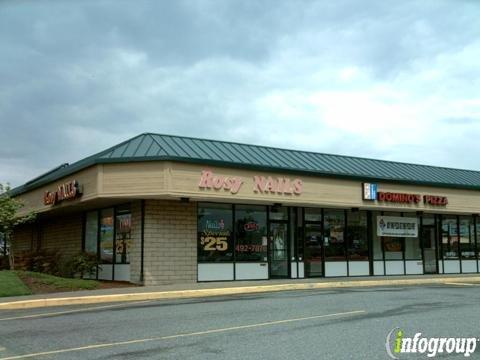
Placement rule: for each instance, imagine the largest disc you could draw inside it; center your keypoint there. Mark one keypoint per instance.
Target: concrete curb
(198, 293)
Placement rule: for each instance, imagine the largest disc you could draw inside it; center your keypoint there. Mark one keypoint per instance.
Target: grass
(16, 283)
(12, 285)
(58, 282)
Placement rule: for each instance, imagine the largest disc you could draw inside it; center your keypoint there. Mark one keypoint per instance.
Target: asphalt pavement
(348, 323)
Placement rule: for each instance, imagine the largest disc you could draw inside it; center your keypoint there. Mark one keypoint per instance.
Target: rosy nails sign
(260, 184)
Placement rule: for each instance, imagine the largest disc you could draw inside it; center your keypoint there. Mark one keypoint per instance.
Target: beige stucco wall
(87, 178)
(167, 180)
(317, 191)
(133, 179)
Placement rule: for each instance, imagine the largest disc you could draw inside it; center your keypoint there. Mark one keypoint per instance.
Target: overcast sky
(396, 80)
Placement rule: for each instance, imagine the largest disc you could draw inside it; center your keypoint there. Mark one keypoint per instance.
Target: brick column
(170, 242)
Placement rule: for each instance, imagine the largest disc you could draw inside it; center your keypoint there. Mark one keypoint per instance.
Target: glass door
(429, 238)
(278, 250)
(313, 250)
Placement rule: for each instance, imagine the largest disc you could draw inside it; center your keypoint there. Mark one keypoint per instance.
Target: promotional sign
(394, 226)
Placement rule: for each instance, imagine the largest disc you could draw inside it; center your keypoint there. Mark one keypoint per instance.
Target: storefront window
(393, 246)
(467, 238)
(477, 235)
(215, 240)
(334, 234)
(357, 240)
(251, 231)
(449, 238)
(106, 236)
(91, 232)
(278, 213)
(413, 250)
(377, 241)
(123, 235)
(313, 214)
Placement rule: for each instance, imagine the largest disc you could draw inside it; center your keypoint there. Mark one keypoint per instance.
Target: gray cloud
(345, 77)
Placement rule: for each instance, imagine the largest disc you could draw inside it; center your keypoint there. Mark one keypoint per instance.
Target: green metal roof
(150, 147)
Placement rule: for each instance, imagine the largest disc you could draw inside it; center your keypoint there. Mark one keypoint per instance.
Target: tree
(9, 217)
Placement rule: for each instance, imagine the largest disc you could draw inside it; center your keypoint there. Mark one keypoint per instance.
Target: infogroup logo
(397, 343)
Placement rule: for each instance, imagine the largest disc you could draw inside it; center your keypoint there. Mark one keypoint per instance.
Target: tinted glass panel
(357, 235)
(91, 233)
(313, 250)
(278, 213)
(392, 246)
(106, 236)
(413, 250)
(467, 238)
(449, 238)
(251, 230)
(123, 234)
(215, 240)
(312, 214)
(377, 240)
(334, 234)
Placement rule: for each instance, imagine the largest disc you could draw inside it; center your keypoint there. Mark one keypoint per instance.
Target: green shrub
(80, 264)
(44, 261)
(4, 263)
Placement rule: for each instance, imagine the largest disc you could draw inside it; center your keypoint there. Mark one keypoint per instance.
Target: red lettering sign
(261, 184)
(210, 181)
(435, 200)
(279, 185)
(399, 197)
(66, 191)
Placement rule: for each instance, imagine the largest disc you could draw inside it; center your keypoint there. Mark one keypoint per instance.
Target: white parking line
(460, 284)
(169, 337)
(72, 311)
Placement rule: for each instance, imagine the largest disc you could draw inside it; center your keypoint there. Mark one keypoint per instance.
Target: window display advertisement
(394, 226)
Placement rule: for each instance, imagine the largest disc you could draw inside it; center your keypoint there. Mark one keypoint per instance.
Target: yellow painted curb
(181, 294)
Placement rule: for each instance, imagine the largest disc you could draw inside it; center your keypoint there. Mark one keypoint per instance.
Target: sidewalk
(195, 290)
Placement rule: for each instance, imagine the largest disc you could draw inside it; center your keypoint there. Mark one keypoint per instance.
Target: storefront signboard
(66, 191)
(260, 184)
(395, 226)
(370, 192)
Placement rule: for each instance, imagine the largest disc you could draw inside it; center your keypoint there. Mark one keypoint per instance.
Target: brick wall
(135, 249)
(170, 242)
(170, 254)
(63, 233)
(23, 236)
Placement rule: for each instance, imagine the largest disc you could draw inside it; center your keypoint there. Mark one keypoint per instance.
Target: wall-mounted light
(355, 209)
(184, 200)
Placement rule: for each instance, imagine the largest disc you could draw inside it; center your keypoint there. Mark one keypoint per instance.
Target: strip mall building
(162, 209)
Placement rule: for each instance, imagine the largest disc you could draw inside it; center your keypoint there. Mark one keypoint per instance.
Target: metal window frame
(99, 218)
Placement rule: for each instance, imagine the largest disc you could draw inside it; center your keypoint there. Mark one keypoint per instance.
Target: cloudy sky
(396, 80)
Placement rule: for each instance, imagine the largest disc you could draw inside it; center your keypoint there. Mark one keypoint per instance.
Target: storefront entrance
(278, 249)
(313, 251)
(429, 238)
